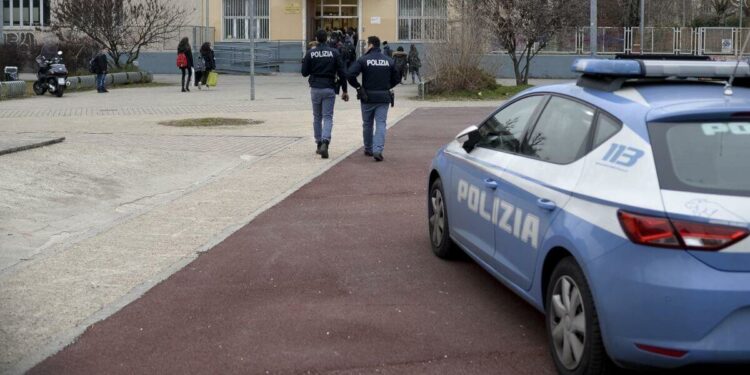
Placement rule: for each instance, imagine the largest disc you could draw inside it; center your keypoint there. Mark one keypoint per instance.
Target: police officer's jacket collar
(373, 50)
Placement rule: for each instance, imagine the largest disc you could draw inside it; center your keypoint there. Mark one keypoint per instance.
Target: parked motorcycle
(52, 75)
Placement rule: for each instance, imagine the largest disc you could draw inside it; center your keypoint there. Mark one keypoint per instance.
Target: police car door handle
(490, 183)
(546, 204)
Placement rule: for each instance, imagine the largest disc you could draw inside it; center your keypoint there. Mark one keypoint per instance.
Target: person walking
(185, 62)
(387, 49)
(379, 76)
(324, 66)
(414, 63)
(401, 59)
(209, 60)
(101, 66)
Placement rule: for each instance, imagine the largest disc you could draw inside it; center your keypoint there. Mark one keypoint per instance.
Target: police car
(618, 205)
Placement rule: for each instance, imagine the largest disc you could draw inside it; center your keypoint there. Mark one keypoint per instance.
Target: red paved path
(337, 278)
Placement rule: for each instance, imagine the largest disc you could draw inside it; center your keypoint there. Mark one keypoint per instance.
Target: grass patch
(499, 93)
(210, 121)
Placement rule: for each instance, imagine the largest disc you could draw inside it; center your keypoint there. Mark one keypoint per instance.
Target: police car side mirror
(469, 138)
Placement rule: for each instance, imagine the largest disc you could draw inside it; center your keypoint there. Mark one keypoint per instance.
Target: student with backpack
(207, 55)
(185, 62)
(400, 58)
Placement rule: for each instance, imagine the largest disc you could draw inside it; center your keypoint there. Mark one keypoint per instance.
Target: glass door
(333, 15)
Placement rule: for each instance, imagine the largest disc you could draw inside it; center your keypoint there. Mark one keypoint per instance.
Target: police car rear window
(706, 157)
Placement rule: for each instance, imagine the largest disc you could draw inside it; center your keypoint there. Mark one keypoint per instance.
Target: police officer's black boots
(378, 156)
(318, 150)
(324, 149)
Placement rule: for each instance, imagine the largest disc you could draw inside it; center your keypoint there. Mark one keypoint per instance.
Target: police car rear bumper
(649, 299)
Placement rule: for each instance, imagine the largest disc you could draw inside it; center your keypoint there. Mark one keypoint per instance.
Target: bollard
(86, 82)
(12, 89)
(120, 78)
(135, 77)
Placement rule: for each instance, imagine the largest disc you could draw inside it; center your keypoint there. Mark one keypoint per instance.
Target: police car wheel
(442, 245)
(573, 325)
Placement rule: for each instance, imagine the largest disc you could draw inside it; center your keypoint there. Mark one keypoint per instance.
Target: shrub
(14, 55)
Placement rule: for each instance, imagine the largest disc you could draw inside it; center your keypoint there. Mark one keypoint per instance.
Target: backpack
(92, 65)
(182, 61)
(350, 53)
(200, 64)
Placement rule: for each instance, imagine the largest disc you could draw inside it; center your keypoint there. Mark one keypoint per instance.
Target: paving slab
(338, 278)
(125, 202)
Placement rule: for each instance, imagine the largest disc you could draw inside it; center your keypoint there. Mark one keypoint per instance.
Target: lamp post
(252, 49)
(643, 23)
(2, 23)
(593, 32)
(206, 32)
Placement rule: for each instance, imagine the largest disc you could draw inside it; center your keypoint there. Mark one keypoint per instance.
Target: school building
(297, 20)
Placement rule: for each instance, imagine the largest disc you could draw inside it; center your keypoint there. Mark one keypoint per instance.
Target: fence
(197, 35)
(656, 40)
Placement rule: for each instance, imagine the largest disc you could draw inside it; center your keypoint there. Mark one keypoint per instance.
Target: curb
(31, 146)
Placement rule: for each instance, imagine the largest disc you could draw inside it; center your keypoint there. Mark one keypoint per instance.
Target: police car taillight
(679, 234)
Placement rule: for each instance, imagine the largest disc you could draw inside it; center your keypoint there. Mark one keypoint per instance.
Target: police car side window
(504, 131)
(606, 127)
(561, 134)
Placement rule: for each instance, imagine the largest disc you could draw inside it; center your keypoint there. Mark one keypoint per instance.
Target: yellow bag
(213, 78)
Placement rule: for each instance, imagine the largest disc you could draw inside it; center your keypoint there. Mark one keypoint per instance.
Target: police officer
(379, 76)
(325, 68)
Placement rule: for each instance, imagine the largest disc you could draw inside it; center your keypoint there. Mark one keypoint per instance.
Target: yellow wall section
(387, 10)
(288, 26)
(286, 22)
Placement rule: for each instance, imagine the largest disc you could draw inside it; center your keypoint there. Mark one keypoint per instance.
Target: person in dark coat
(207, 53)
(387, 49)
(101, 66)
(401, 59)
(379, 76)
(184, 48)
(414, 63)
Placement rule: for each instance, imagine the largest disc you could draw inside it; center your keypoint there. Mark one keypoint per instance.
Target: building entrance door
(332, 15)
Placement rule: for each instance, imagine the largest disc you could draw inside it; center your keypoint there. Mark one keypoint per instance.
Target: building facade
(297, 20)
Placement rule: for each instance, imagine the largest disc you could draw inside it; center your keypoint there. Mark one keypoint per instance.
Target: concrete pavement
(338, 278)
(89, 225)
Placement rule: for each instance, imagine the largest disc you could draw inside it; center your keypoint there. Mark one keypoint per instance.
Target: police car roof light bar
(610, 75)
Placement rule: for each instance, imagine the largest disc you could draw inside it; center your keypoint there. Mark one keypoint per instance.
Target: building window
(237, 19)
(28, 13)
(422, 19)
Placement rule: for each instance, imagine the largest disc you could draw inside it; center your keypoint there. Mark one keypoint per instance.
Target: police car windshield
(705, 157)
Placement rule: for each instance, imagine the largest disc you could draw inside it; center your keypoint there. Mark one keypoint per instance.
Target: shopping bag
(213, 78)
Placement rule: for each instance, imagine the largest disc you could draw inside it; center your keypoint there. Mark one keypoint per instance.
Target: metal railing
(656, 40)
(197, 35)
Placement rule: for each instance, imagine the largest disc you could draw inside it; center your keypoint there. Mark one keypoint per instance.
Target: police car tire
(447, 248)
(595, 360)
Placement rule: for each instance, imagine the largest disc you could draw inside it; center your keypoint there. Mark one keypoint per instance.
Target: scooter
(52, 76)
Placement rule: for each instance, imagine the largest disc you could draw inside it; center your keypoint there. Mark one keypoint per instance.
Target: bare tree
(524, 27)
(124, 26)
(458, 61)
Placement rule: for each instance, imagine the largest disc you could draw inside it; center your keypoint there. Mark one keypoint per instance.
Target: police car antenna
(728, 87)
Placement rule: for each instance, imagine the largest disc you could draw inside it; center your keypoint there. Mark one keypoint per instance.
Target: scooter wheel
(39, 89)
(59, 91)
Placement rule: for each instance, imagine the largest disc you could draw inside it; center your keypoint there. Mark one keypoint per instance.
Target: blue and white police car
(618, 205)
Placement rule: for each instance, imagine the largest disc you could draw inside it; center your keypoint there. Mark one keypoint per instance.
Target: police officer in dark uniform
(327, 73)
(379, 76)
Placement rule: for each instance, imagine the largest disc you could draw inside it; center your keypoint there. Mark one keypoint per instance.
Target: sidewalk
(338, 278)
(91, 224)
